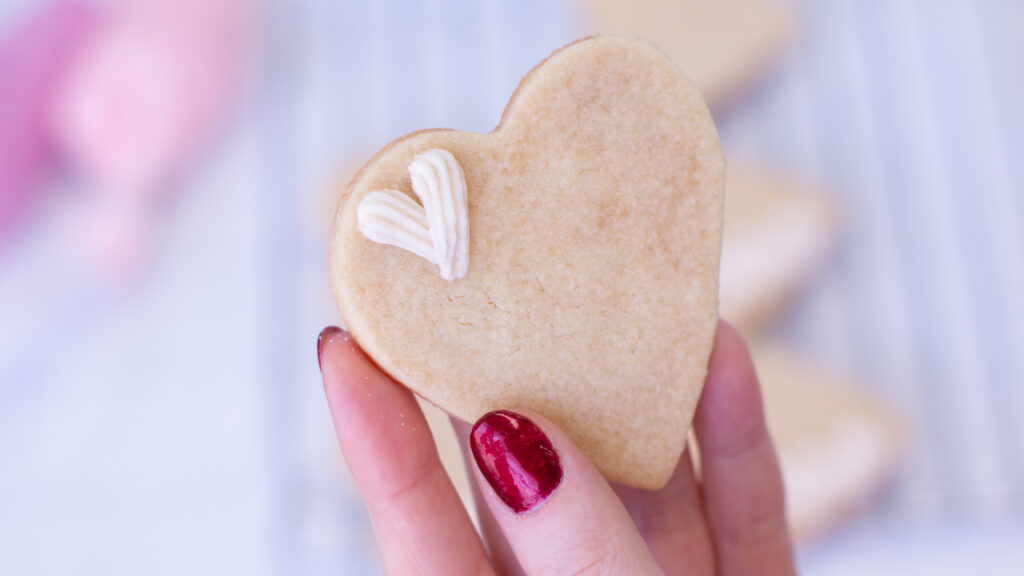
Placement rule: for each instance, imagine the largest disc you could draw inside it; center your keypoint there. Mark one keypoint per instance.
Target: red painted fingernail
(516, 458)
(325, 334)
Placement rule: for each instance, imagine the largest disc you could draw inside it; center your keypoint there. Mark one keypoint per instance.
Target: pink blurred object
(150, 89)
(33, 56)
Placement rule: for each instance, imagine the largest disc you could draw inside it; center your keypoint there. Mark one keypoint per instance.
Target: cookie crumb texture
(592, 291)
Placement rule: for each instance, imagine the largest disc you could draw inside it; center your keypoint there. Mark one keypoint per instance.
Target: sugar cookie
(778, 232)
(593, 228)
(837, 444)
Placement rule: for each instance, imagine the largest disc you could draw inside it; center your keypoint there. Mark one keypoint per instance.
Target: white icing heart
(437, 229)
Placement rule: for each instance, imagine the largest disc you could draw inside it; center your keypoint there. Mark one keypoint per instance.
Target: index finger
(420, 523)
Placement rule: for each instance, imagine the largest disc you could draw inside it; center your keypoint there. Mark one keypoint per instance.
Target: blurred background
(168, 175)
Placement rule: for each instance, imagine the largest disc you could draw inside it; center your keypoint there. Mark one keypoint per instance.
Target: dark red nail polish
(324, 335)
(516, 458)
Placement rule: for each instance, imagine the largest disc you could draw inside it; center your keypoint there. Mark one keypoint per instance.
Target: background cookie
(592, 288)
(838, 446)
(721, 45)
(778, 231)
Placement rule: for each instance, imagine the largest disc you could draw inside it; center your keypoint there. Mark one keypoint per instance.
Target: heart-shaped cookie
(594, 232)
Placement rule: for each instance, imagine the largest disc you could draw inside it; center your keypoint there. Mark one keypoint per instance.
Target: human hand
(544, 508)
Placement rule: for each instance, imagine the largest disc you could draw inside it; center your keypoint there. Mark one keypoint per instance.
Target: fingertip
(357, 389)
(730, 413)
(328, 334)
(729, 346)
(341, 361)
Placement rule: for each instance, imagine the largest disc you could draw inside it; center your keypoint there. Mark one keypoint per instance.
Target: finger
(419, 521)
(554, 508)
(502, 556)
(742, 482)
(672, 522)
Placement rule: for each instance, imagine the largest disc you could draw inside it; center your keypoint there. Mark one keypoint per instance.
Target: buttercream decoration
(437, 228)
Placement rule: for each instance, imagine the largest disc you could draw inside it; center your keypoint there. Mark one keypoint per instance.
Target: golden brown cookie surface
(595, 218)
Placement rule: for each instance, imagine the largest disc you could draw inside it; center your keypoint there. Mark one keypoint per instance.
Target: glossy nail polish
(517, 459)
(325, 334)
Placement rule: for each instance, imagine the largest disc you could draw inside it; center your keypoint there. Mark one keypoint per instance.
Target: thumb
(558, 514)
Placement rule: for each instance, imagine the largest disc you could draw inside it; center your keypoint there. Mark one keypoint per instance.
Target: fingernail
(517, 459)
(325, 335)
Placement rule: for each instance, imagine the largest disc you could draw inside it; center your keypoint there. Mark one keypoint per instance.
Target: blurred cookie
(778, 231)
(566, 263)
(837, 444)
(722, 45)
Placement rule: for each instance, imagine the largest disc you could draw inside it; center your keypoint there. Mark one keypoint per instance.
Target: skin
(729, 520)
